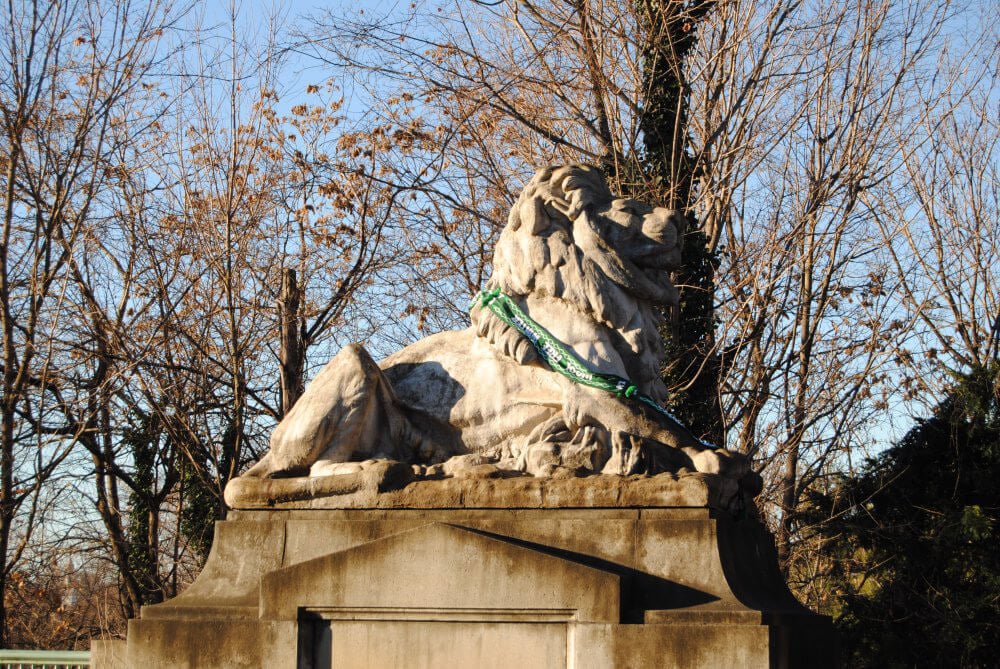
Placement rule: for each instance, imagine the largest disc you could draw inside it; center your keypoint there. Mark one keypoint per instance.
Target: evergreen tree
(919, 559)
(199, 510)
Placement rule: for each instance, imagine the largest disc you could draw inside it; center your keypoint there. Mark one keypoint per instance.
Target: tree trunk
(693, 366)
(292, 354)
(789, 501)
(6, 509)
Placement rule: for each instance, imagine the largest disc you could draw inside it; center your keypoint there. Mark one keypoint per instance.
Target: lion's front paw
(260, 470)
(503, 338)
(268, 469)
(720, 461)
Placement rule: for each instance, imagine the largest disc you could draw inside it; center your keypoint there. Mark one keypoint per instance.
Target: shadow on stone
(639, 591)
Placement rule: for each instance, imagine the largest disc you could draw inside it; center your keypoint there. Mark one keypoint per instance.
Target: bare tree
(939, 223)
(176, 292)
(68, 69)
(796, 114)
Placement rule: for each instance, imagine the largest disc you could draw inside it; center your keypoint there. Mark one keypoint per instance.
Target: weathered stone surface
(210, 643)
(546, 587)
(483, 485)
(108, 654)
(365, 644)
(414, 572)
(591, 270)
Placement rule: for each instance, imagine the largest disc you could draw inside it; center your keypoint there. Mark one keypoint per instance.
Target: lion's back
(428, 374)
(455, 378)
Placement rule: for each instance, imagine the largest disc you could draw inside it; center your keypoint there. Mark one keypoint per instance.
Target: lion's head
(568, 238)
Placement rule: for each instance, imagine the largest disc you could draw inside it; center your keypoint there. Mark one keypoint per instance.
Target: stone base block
(588, 588)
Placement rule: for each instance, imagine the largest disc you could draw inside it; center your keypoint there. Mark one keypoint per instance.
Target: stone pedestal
(558, 583)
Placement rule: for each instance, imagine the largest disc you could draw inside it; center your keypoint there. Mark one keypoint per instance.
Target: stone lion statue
(585, 274)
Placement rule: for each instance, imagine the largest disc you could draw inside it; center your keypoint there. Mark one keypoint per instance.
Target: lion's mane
(562, 241)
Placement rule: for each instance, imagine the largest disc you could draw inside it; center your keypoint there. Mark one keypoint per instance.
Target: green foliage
(141, 439)
(199, 509)
(668, 34)
(147, 443)
(916, 551)
(692, 363)
(692, 371)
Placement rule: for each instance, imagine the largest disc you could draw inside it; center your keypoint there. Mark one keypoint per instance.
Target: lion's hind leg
(345, 413)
